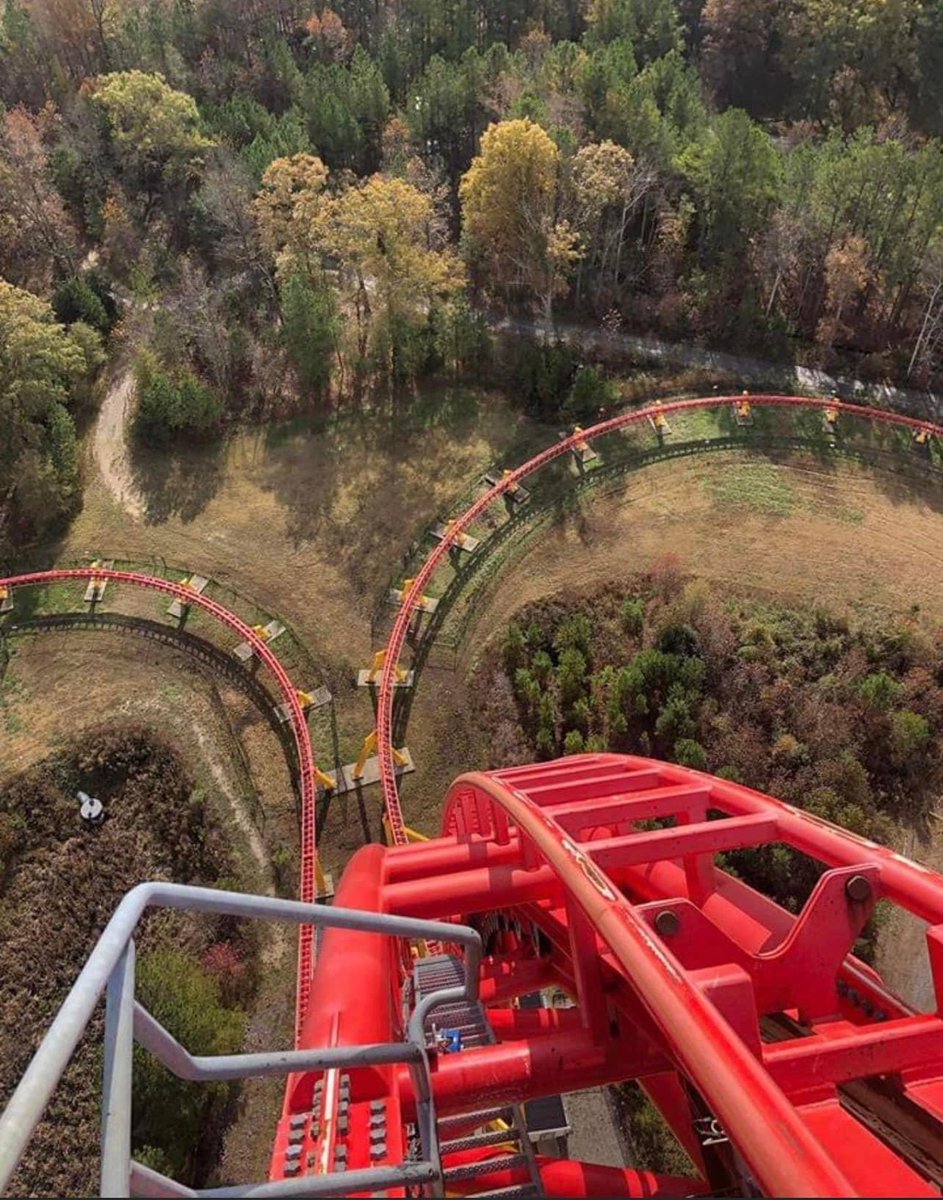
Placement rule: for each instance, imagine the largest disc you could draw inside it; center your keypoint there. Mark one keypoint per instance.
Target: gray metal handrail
(110, 968)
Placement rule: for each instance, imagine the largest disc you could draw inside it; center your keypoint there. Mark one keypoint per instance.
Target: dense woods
(277, 203)
(838, 718)
(60, 881)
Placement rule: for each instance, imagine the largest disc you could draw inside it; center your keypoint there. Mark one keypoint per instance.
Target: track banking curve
(459, 525)
(306, 756)
(302, 737)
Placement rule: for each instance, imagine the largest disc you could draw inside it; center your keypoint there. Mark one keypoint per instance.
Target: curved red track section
(462, 523)
(306, 759)
(783, 1064)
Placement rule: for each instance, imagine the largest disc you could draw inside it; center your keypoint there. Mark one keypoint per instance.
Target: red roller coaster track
(783, 1064)
(460, 524)
(306, 759)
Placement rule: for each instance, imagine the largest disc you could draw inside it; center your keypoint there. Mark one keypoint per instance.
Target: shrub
(168, 1112)
(575, 633)
(543, 374)
(572, 675)
(879, 691)
(573, 742)
(910, 734)
(171, 405)
(633, 615)
(679, 639)
(689, 753)
(589, 394)
(675, 719)
(514, 648)
(75, 301)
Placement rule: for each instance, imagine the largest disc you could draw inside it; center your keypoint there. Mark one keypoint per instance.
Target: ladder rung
(506, 1162)
(479, 1117)
(494, 1137)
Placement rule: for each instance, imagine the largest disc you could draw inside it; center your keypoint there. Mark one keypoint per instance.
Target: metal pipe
(197, 1068)
(147, 1182)
(116, 1078)
(370, 1180)
(525, 1069)
(26, 1105)
(767, 1130)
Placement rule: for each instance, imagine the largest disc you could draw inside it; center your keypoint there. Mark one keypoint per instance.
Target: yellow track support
(262, 632)
(582, 445)
(319, 879)
(328, 782)
(659, 420)
(744, 407)
(921, 437)
(369, 747)
(305, 699)
(514, 486)
(379, 662)
(406, 591)
(412, 835)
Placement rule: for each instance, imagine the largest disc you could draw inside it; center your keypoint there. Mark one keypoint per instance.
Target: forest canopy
(292, 203)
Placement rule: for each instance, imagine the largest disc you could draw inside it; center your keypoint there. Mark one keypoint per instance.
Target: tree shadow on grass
(179, 482)
(358, 482)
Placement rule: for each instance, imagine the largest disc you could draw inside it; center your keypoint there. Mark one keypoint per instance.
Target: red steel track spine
(306, 759)
(459, 525)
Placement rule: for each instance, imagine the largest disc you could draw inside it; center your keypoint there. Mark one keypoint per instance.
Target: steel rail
(786, 1157)
(306, 759)
(460, 525)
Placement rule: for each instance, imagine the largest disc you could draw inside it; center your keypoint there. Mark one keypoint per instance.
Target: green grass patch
(757, 486)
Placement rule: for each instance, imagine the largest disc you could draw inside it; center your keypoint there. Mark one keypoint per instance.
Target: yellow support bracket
(412, 835)
(319, 879)
(262, 632)
(370, 747)
(379, 662)
(305, 699)
(744, 407)
(328, 782)
(4, 592)
(582, 445)
(514, 486)
(921, 437)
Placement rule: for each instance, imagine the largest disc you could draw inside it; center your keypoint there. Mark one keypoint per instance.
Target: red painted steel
(727, 1008)
(299, 724)
(673, 965)
(461, 524)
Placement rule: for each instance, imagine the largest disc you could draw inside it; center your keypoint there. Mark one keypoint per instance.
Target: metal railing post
(116, 1078)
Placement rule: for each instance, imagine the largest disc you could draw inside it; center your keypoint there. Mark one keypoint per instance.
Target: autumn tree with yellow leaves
(516, 239)
(379, 245)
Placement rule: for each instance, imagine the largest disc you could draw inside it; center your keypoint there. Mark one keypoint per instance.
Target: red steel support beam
(530, 1067)
(768, 1131)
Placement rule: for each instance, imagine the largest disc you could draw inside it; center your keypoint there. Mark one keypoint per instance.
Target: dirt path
(759, 372)
(110, 444)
